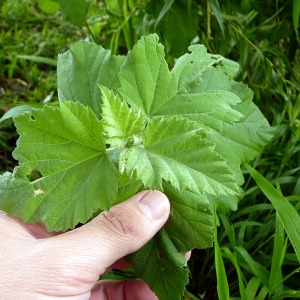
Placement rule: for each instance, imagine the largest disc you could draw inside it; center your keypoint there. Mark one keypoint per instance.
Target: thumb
(125, 228)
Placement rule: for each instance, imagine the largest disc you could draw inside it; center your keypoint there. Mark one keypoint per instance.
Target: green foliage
(260, 35)
(29, 43)
(87, 159)
(73, 11)
(296, 15)
(155, 127)
(285, 210)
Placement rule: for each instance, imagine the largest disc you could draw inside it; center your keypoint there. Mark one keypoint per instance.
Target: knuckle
(123, 225)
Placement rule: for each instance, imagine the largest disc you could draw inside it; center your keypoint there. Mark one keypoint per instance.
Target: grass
(24, 30)
(254, 255)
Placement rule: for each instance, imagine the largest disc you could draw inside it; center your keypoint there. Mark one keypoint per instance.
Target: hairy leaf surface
(176, 151)
(121, 124)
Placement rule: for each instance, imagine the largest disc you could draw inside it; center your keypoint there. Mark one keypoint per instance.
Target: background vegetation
(263, 36)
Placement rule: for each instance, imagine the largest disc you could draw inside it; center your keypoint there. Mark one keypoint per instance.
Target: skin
(37, 264)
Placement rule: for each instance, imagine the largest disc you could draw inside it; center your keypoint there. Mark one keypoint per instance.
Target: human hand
(37, 264)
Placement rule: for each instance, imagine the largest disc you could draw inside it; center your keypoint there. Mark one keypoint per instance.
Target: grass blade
(163, 12)
(222, 283)
(279, 250)
(287, 294)
(262, 294)
(218, 14)
(19, 110)
(296, 15)
(256, 268)
(252, 288)
(232, 257)
(285, 210)
(39, 59)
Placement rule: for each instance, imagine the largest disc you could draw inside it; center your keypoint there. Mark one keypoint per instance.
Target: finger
(188, 255)
(122, 290)
(119, 265)
(19, 230)
(112, 235)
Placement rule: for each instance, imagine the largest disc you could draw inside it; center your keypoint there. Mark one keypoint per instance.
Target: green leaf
(196, 218)
(66, 147)
(121, 125)
(74, 11)
(49, 6)
(167, 15)
(81, 69)
(189, 67)
(13, 188)
(145, 77)
(247, 137)
(163, 267)
(199, 87)
(176, 151)
(287, 295)
(127, 187)
(256, 268)
(165, 9)
(147, 83)
(212, 109)
(227, 66)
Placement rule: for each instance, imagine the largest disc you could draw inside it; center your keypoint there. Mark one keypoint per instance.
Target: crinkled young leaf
(81, 69)
(176, 151)
(121, 124)
(65, 145)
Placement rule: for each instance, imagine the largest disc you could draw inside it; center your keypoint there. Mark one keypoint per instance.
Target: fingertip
(155, 204)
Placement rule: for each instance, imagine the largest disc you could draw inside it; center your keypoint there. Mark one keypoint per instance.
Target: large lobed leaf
(66, 147)
(184, 131)
(175, 150)
(80, 71)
